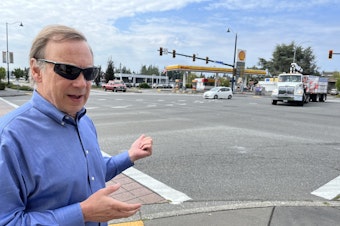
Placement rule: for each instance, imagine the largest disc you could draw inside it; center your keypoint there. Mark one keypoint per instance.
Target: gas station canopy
(212, 69)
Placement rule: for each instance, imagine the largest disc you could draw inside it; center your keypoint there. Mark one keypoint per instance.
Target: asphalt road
(243, 149)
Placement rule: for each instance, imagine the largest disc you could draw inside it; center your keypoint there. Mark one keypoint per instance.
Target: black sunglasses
(72, 72)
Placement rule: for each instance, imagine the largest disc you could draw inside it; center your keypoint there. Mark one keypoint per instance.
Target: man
(51, 168)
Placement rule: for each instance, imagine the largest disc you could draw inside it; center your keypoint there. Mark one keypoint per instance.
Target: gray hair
(56, 33)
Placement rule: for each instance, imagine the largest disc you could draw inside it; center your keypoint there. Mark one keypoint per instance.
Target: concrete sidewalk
(285, 214)
(243, 213)
(158, 211)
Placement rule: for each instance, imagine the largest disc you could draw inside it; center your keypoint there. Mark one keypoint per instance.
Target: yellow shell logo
(241, 55)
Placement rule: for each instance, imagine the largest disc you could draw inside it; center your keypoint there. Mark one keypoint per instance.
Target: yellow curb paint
(135, 223)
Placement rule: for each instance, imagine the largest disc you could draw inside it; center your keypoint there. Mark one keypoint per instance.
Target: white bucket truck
(299, 88)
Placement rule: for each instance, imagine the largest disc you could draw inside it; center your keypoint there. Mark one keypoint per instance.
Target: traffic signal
(207, 60)
(193, 57)
(160, 51)
(173, 53)
(330, 54)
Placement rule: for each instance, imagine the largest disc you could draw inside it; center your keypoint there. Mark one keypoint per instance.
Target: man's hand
(141, 148)
(100, 207)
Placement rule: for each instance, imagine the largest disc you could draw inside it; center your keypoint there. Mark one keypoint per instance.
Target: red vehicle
(115, 86)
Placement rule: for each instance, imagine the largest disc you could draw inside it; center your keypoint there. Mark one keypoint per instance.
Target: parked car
(169, 86)
(218, 92)
(115, 86)
(128, 85)
(157, 85)
(162, 85)
(334, 92)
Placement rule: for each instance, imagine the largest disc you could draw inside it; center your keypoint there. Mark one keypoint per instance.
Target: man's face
(68, 96)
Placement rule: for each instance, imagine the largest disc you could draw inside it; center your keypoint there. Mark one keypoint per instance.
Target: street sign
(240, 66)
(241, 55)
(4, 57)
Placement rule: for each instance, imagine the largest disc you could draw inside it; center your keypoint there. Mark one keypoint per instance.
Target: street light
(7, 53)
(234, 64)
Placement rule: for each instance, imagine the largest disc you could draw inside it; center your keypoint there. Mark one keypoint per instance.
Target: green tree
(150, 70)
(98, 79)
(126, 70)
(336, 75)
(337, 84)
(18, 73)
(283, 56)
(143, 70)
(173, 75)
(26, 73)
(224, 81)
(109, 73)
(123, 69)
(191, 77)
(2, 73)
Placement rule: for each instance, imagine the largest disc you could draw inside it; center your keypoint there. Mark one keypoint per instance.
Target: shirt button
(62, 123)
(92, 178)
(87, 152)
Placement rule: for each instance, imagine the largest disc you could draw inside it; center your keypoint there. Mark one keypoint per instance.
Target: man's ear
(35, 70)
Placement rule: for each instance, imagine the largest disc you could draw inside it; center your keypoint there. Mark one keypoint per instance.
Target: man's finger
(110, 189)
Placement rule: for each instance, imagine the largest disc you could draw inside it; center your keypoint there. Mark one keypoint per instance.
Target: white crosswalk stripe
(329, 191)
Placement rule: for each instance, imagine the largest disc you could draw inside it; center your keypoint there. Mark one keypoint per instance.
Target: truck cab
(289, 89)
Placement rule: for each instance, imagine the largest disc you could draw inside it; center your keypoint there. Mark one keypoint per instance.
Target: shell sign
(241, 55)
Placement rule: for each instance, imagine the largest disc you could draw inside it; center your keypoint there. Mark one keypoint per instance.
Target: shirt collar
(51, 111)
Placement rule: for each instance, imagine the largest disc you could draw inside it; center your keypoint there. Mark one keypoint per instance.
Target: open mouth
(76, 97)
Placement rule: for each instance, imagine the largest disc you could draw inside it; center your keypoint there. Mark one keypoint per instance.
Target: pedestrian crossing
(329, 191)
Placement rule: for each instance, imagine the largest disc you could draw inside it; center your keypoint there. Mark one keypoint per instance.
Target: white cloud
(131, 31)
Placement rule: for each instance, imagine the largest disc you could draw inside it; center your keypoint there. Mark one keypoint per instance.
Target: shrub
(18, 87)
(144, 85)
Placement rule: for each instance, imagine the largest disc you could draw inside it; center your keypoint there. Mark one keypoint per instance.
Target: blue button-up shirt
(49, 163)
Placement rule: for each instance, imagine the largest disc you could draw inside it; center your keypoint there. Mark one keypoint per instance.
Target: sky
(131, 32)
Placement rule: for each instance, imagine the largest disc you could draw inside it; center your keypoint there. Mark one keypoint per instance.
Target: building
(136, 79)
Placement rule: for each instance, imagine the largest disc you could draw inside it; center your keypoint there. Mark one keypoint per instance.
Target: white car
(334, 92)
(219, 92)
(159, 85)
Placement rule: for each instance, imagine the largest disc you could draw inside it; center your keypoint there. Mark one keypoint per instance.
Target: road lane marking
(9, 103)
(122, 106)
(168, 193)
(91, 108)
(330, 190)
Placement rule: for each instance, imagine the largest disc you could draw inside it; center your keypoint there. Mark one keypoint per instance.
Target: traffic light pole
(331, 53)
(194, 57)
